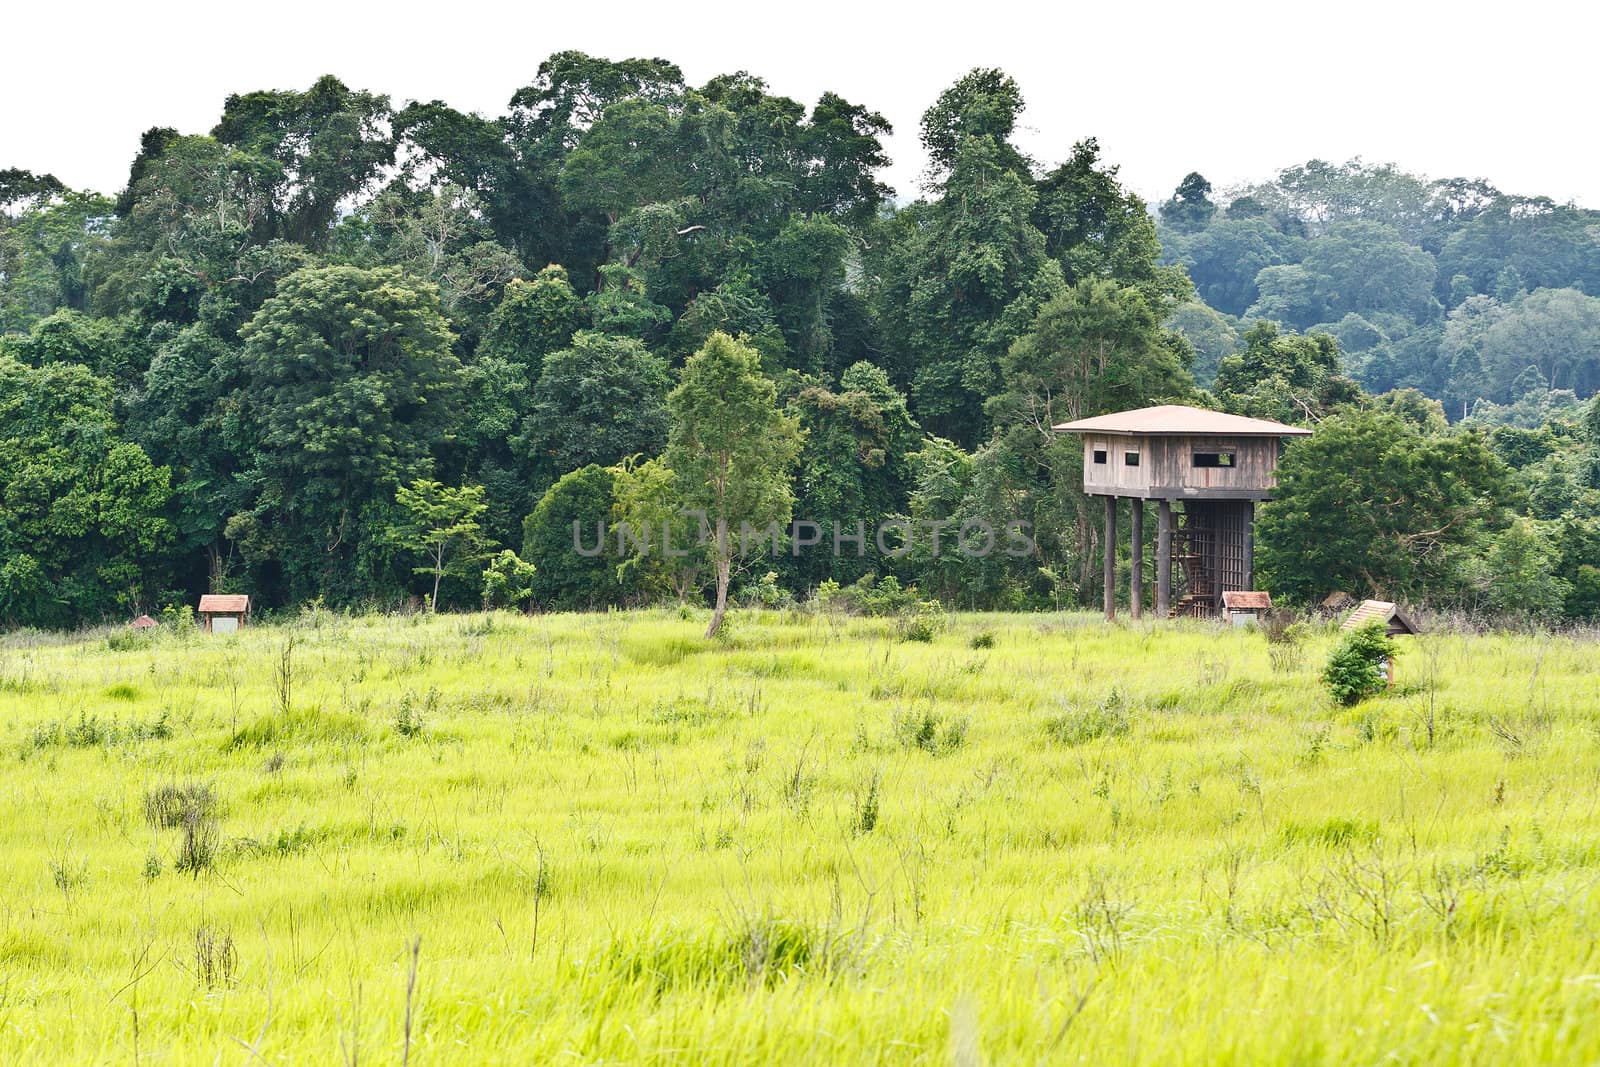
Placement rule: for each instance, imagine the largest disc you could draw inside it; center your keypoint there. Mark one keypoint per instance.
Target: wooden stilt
(1111, 558)
(1136, 578)
(1250, 547)
(1164, 559)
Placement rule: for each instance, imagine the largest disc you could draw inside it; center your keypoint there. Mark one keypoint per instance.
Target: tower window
(1099, 455)
(1130, 459)
(1213, 459)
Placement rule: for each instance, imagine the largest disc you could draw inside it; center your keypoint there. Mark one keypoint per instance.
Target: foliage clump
(930, 731)
(1109, 719)
(868, 595)
(191, 809)
(1285, 640)
(922, 622)
(507, 580)
(1358, 666)
(167, 807)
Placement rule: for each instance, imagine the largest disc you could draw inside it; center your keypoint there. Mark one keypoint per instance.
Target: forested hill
(345, 349)
(1479, 299)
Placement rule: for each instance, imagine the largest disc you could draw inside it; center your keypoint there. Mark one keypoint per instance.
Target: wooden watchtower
(1217, 466)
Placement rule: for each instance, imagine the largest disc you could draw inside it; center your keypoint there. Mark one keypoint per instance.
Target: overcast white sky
(1235, 90)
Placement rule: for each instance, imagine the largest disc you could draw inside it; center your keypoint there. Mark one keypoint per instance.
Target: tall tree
(347, 384)
(534, 318)
(599, 401)
(854, 467)
(1098, 347)
(731, 449)
(323, 146)
(984, 102)
(84, 531)
(565, 538)
(959, 281)
(51, 238)
(1371, 504)
(1190, 207)
(1285, 377)
(1097, 229)
(440, 523)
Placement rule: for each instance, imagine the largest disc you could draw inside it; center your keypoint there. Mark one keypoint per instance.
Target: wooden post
(1136, 579)
(1111, 558)
(1250, 547)
(1164, 559)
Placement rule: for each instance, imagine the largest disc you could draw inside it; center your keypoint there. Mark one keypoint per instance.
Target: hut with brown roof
(1216, 467)
(223, 613)
(1245, 607)
(1395, 621)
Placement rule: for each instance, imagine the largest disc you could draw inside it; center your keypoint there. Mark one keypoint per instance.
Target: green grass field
(498, 839)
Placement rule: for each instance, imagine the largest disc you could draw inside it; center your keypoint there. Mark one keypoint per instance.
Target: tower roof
(1181, 420)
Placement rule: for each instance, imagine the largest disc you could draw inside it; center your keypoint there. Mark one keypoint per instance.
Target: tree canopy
(626, 296)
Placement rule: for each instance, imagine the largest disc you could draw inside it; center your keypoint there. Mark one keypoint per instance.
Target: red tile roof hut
(223, 613)
(1217, 466)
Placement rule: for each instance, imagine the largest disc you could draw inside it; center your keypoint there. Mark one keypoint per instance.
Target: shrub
(759, 952)
(929, 731)
(507, 580)
(923, 622)
(1285, 638)
(192, 809)
(303, 725)
(178, 617)
(197, 850)
(866, 808)
(1331, 833)
(1357, 666)
(68, 875)
(409, 717)
(215, 958)
(166, 807)
(868, 596)
(765, 592)
(129, 640)
(90, 732)
(1079, 726)
(982, 639)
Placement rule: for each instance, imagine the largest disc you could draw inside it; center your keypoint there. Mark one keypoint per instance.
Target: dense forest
(345, 351)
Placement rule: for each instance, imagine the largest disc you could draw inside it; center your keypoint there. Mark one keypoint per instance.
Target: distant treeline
(338, 349)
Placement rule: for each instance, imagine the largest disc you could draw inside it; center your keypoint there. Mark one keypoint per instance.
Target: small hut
(143, 622)
(223, 613)
(1245, 607)
(1394, 620)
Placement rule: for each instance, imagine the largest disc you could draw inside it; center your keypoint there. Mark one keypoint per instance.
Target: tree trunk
(724, 574)
(438, 575)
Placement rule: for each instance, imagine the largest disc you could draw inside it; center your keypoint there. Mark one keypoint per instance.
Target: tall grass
(601, 838)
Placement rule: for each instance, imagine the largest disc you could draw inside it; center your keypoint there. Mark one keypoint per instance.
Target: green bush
(1079, 726)
(930, 731)
(868, 596)
(922, 622)
(507, 580)
(1355, 668)
(765, 592)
